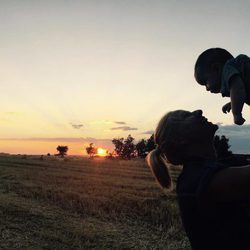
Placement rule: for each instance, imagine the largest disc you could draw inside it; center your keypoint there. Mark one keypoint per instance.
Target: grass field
(77, 203)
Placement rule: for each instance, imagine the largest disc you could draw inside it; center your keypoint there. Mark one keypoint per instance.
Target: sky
(75, 72)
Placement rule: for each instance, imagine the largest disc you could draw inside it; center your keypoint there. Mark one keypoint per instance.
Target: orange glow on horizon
(101, 152)
(42, 147)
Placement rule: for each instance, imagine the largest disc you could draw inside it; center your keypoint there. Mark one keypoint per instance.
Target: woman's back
(210, 224)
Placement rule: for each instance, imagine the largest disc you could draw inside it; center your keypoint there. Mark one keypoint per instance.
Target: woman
(212, 198)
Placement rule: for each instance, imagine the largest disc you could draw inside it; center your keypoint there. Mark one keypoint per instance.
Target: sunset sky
(75, 72)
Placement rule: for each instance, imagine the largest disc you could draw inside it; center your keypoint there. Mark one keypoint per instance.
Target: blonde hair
(169, 138)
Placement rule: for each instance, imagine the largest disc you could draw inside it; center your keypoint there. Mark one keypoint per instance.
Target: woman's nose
(197, 112)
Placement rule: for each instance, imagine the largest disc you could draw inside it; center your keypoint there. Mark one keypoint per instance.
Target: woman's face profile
(197, 127)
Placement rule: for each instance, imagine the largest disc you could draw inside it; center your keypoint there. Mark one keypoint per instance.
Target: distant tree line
(221, 144)
(224, 155)
(127, 148)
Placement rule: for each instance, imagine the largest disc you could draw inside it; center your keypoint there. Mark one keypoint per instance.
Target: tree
(124, 148)
(222, 147)
(150, 143)
(129, 148)
(119, 144)
(62, 150)
(91, 150)
(110, 155)
(141, 148)
(225, 156)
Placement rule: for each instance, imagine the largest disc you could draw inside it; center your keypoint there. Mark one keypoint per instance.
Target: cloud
(124, 128)
(235, 130)
(121, 123)
(148, 132)
(219, 123)
(77, 126)
(239, 137)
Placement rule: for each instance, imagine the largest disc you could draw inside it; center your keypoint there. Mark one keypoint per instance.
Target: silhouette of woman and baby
(213, 198)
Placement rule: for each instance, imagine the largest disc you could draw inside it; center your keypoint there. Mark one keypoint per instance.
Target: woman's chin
(214, 126)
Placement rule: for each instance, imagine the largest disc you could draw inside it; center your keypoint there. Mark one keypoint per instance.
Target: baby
(220, 72)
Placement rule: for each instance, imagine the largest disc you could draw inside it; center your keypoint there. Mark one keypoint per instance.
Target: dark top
(239, 65)
(210, 225)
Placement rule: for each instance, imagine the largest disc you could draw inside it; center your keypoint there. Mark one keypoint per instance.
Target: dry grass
(85, 204)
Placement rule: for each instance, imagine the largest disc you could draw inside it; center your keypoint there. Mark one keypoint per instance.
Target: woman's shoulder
(197, 174)
(231, 184)
(198, 166)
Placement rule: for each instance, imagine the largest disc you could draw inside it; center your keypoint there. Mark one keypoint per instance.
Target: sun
(101, 152)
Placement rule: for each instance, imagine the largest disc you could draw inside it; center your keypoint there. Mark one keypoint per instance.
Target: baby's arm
(226, 108)
(237, 95)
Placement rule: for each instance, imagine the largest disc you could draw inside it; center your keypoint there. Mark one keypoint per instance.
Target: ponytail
(171, 146)
(159, 169)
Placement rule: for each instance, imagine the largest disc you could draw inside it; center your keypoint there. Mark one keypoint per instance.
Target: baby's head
(208, 68)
